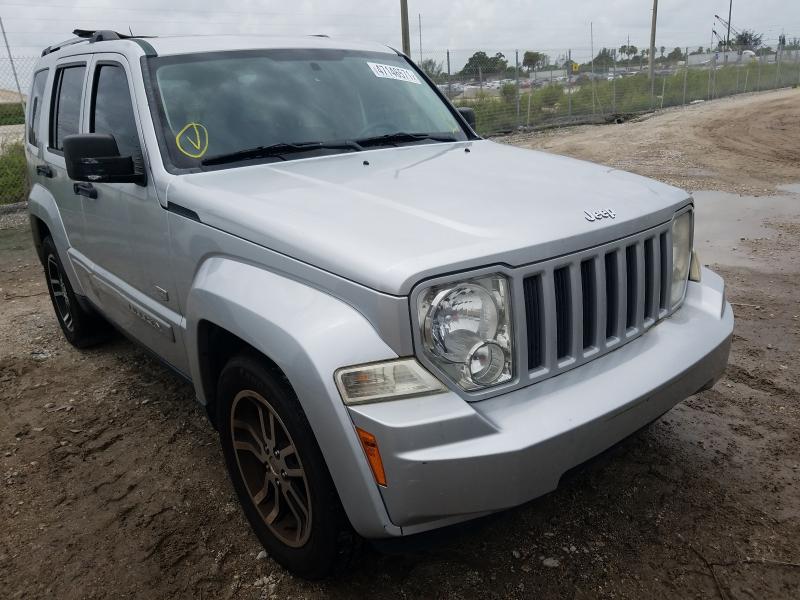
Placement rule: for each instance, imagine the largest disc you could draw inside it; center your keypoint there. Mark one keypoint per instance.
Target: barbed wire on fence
(512, 90)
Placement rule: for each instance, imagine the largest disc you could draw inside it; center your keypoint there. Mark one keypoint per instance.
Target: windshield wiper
(402, 136)
(277, 150)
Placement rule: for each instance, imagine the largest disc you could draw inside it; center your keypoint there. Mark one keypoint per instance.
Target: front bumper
(448, 460)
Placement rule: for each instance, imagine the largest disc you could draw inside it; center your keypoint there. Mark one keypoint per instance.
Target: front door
(125, 228)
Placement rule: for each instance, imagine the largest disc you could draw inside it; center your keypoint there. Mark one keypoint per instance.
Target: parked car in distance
(394, 324)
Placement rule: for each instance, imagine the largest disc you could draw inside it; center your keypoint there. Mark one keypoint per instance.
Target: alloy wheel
(60, 296)
(271, 468)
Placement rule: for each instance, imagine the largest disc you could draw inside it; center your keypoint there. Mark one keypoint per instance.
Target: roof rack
(91, 36)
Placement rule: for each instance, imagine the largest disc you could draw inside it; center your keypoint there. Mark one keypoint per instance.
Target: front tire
(278, 471)
(82, 328)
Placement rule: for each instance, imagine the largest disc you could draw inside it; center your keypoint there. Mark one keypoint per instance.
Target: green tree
(480, 62)
(604, 59)
(747, 39)
(675, 55)
(661, 50)
(534, 60)
(432, 68)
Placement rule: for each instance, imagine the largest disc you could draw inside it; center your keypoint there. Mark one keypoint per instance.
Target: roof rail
(60, 45)
(91, 36)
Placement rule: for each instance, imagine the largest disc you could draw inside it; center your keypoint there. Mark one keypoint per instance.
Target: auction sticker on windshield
(392, 72)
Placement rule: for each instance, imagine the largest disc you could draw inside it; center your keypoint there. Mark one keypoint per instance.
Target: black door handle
(44, 170)
(85, 189)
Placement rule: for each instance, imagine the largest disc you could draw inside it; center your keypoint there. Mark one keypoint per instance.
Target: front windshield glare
(217, 104)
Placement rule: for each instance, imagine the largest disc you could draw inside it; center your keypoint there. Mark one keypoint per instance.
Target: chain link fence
(512, 90)
(509, 90)
(13, 181)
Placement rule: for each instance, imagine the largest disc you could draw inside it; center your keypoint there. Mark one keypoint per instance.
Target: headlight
(681, 256)
(466, 330)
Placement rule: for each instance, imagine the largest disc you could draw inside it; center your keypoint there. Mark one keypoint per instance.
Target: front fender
(42, 205)
(308, 334)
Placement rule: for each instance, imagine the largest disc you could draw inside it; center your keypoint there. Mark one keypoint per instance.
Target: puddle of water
(792, 188)
(722, 219)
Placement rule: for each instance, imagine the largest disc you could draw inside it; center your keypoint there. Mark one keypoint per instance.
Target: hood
(388, 218)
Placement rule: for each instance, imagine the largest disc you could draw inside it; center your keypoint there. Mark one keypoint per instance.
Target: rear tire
(82, 327)
(279, 473)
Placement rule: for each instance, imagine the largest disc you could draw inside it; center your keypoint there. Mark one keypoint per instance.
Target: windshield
(226, 108)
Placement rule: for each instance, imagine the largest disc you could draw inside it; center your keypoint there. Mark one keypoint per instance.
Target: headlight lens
(466, 330)
(681, 255)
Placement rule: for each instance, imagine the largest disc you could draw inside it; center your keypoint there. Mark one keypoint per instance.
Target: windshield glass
(219, 105)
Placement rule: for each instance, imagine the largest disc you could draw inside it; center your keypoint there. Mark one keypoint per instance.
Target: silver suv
(394, 324)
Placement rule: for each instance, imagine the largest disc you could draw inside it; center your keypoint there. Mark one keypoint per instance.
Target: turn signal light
(370, 445)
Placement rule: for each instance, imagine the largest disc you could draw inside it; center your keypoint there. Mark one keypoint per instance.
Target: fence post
(530, 95)
(516, 77)
(663, 89)
(614, 82)
(758, 82)
(797, 64)
(569, 84)
(685, 75)
(778, 68)
(449, 79)
(714, 80)
(746, 77)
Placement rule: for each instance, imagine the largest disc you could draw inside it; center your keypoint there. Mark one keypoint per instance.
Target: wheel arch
(305, 335)
(46, 220)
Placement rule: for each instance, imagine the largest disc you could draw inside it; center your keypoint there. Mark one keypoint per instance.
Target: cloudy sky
(461, 25)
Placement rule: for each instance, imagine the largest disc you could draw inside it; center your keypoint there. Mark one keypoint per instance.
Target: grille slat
(535, 318)
(666, 269)
(589, 300)
(631, 286)
(649, 279)
(612, 294)
(582, 307)
(563, 312)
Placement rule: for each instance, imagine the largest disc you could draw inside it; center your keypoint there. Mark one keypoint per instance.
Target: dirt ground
(112, 482)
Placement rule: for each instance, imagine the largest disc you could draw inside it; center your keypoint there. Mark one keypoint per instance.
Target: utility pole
(420, 37)
(728, 37)
(404, 27)
(653, 44)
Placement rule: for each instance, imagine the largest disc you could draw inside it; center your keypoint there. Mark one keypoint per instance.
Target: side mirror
(94, 157)
(468, 114)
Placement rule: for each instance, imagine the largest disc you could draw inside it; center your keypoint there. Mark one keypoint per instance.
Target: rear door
(126, 229)
(65, 118)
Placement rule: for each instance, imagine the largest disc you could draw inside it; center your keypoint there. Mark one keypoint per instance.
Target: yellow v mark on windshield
(192, 140)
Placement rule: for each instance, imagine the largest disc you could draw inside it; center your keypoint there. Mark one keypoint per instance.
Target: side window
(66, 104)
(112, 110)
(37, 93)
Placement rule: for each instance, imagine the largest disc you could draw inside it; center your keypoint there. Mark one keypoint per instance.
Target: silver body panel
(316, 263)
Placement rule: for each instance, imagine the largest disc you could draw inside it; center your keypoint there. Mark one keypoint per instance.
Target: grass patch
(11, 114)
(13, 175)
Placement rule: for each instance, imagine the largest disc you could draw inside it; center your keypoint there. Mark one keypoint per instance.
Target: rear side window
(67, 92)
(37, 93)
(112, 109)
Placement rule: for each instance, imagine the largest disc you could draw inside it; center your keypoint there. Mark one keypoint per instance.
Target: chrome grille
(581, 306)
